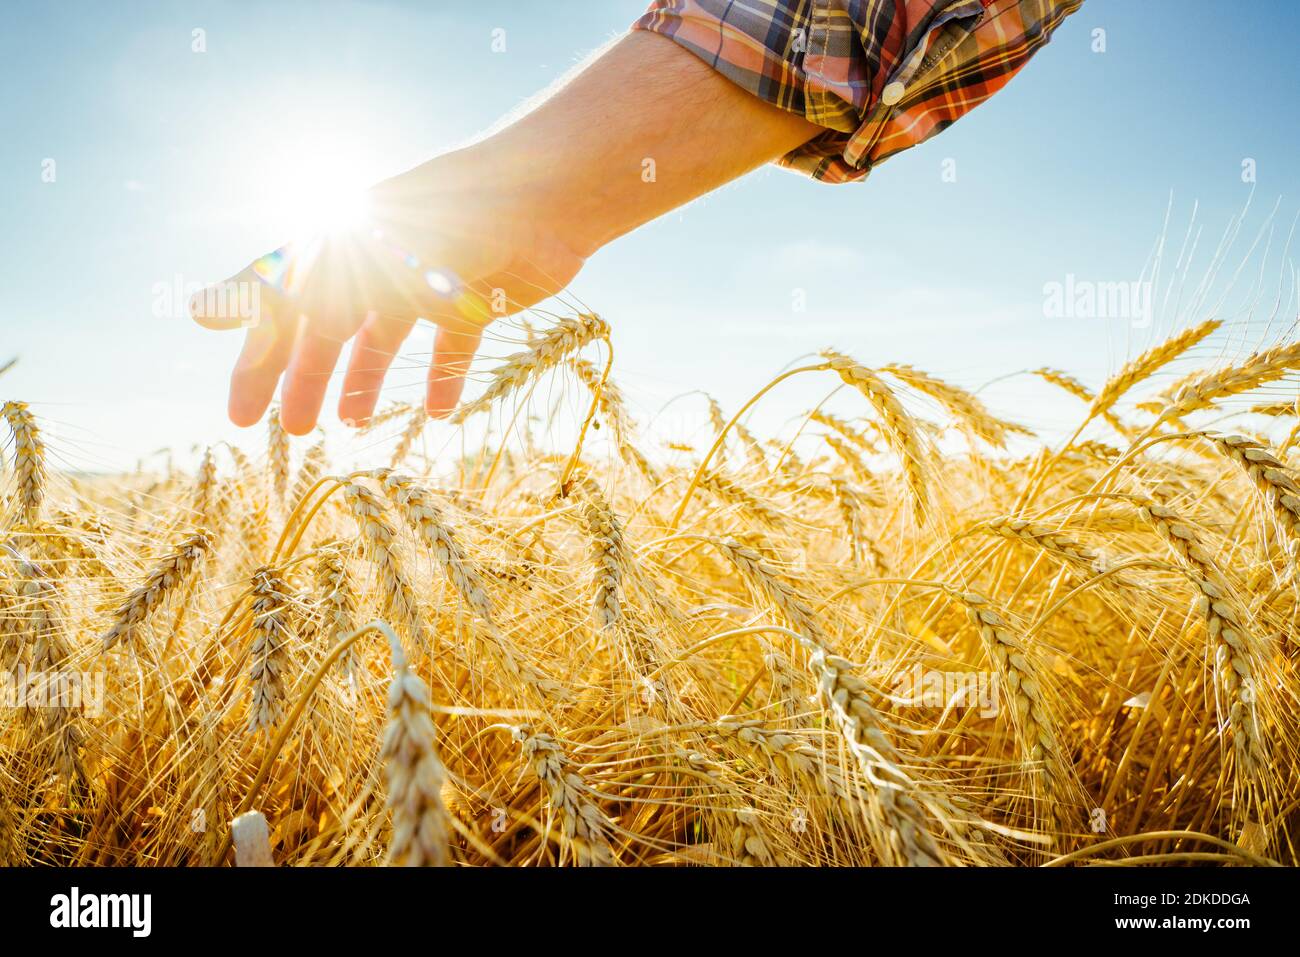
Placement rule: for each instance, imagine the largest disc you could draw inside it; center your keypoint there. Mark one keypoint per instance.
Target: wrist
(514, 179)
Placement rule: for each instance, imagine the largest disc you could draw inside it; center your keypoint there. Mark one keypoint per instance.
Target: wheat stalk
(45, 631)
(583, 825)
(898, 429)
(547, 351)
(29, 461)
(379, 544)
(334, 590)
(414, 429)
(846, 697)
(849, 455)
(1200, 391)
(1065, 381)
(1148, 363)
(277, 454)
(270, 659)
(845, 428)
(427, 521)
(415, 775)
(608, 555)
(733, 493)
(609, 397)
(748, 847)
(1035, 724)
(1048, 539)
(163, 580)
(1235, 666)
(852, 506)
(613, 406)
(1270, 476)
(963, 405)
(314, 461)
(205, 490)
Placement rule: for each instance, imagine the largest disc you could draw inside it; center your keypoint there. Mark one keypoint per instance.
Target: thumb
(241, 302)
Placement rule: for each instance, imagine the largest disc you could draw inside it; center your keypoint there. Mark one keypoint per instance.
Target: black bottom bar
(922, 908)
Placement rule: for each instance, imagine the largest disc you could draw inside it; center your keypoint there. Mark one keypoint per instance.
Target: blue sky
(171, 163)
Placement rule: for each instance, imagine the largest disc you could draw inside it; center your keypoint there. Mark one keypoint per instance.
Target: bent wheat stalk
(548, 350)
(896, 427)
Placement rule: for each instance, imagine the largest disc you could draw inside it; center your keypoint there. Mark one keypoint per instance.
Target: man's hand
(509, 221)
(426, 228)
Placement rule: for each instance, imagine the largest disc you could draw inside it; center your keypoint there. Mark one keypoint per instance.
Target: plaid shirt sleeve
(879, 75)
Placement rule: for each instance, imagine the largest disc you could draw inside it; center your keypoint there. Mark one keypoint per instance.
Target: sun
(319, 192)
(326, 207)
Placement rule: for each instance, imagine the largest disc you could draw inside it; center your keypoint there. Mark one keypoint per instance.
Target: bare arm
(516, 214)
(645, 98)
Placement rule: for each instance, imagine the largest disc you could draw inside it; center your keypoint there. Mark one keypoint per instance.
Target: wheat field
(909, 632)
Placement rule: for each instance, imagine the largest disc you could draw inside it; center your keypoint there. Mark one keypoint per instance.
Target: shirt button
(892, 93)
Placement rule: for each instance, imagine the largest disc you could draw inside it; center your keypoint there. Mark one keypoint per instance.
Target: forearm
(580, 162)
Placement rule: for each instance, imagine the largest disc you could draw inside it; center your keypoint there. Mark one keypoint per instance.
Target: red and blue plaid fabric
(880, 75)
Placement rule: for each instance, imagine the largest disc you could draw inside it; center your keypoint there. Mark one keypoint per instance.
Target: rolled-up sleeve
(879, 75)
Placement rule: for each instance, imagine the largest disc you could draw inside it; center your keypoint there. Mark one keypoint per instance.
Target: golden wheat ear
(28, 460)
(546, 352)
